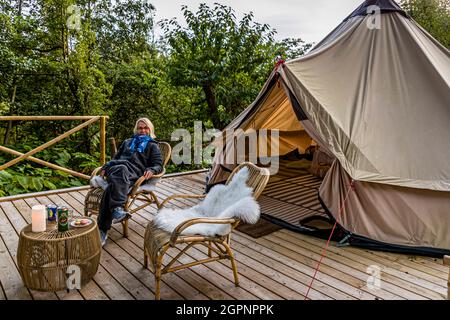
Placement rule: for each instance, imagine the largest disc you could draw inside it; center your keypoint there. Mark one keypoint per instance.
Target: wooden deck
(276, 266)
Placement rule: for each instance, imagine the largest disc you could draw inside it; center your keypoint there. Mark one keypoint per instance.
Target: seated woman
(138, 156)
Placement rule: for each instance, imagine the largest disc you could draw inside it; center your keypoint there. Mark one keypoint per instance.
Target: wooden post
(102, 140)
(447, 263)
(9, 126)
(112, 147)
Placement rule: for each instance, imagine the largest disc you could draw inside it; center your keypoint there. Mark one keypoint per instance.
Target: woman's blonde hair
(148, 123)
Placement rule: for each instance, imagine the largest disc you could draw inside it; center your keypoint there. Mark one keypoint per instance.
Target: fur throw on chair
(234, 200)
(98, 182)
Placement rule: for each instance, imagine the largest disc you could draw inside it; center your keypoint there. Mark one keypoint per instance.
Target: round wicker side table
(43, 257)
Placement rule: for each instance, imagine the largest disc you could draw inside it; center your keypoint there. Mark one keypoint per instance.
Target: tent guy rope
(351, 187)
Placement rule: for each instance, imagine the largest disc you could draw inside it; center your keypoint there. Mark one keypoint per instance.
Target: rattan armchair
(142, 190)
(157, 242)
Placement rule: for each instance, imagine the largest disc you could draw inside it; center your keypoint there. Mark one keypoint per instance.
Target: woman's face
(142, 128)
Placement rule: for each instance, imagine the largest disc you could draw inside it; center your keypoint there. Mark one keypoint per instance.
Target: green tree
(123, 28)
(433, 16)
(226, 58)
(291, 48)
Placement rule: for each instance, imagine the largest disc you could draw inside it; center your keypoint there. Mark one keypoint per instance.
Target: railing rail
(28, 156)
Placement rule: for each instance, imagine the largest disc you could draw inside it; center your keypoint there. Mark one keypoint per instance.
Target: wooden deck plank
(10, 277)
(408, 267)
(433, 268)
(124, 277)
(309, 258)
(408, 289)
(8, 233)
(388, 259)
(112, 288)
(306, 263)
(316, 251)
(294, 268)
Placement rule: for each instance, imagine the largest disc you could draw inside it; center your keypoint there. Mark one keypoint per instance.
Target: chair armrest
(142, 180)
(96, 171)
(182, 196)
(159, 175)
(186, 224)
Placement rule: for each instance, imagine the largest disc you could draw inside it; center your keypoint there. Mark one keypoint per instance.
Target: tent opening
(298, 164)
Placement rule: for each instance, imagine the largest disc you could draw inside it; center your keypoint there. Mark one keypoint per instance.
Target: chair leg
(233, 264)
(145, 259)
(125, 228)
(209, 249)
(156, 201)
(158, 281)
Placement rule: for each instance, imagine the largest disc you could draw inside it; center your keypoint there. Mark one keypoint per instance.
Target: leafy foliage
(433, 16)
(228, 59)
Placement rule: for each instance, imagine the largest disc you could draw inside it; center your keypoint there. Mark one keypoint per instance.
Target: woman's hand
(148, 175)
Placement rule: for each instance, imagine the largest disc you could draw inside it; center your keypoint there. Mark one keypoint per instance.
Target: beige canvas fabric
(381, 101)
(275, 112)
(390, 214)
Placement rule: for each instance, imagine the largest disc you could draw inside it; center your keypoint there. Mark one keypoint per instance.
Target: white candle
(38, 218)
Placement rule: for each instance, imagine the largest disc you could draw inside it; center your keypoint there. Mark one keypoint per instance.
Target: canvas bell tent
(375, 96)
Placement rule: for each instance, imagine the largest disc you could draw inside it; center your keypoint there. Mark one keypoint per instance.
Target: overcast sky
(310, 20)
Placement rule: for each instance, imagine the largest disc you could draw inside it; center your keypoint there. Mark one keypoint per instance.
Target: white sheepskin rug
(98, 182)
(234, 200)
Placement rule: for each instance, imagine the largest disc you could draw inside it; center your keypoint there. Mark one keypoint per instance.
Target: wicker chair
(157, 241)
(140, 191)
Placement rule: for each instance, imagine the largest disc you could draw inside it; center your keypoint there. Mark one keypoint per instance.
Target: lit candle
(38, 218)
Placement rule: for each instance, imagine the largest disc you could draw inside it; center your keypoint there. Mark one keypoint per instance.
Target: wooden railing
(28, 155)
